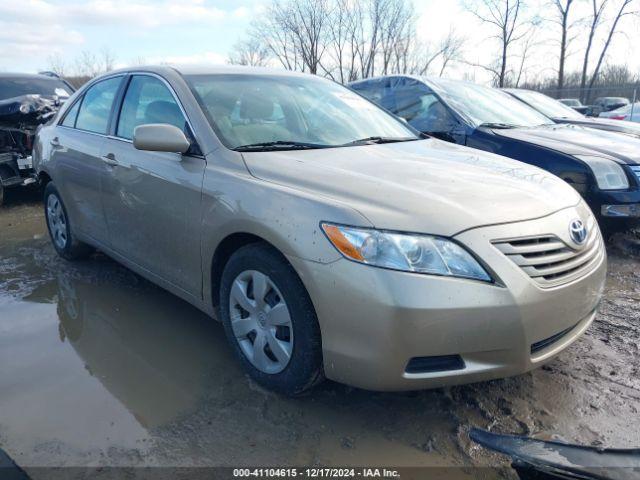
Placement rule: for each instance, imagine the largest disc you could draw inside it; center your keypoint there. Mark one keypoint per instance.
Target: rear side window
(95, 110)
(148, 100)
(70, 117)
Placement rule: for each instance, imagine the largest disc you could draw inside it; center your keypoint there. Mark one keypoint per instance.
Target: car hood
(426, 186)
(620, 126)
(578, 140)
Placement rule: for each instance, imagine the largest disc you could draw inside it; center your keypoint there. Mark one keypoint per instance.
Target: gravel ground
(98, 367)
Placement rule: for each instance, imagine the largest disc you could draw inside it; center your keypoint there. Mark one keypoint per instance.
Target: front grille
(549, 261)
(636, 170)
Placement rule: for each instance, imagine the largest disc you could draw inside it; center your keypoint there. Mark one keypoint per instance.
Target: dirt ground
(98, 367)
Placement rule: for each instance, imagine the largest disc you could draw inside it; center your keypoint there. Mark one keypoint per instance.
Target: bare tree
(451, 49)
(623, 10)
(507, 18)
(294, 32)
(86, 64)
(249, 52)
(595, 21)
(563, 8)
(396, 30)
(106, 60)
(529, 42)
(57, 64)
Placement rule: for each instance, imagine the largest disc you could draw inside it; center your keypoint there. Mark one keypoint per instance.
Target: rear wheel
(1, 194)
(270, 321)
(62, 238)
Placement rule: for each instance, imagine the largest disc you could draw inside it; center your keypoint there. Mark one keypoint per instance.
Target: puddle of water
(100, 367)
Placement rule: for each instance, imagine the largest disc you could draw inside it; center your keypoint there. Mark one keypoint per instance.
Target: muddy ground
(99, 367)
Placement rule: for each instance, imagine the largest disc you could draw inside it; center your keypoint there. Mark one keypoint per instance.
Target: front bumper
(374, 321)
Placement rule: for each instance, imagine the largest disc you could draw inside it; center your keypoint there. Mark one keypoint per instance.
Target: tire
(1, 194)
(59, 226)
(252, 331)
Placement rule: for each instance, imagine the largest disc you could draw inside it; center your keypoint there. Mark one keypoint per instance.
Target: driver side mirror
(160, 137)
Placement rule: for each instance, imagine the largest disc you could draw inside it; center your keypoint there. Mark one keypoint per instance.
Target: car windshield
(572, 102)
(627, 108)
(16, 86)
(487, 106)
(546, 105)
(291, 112)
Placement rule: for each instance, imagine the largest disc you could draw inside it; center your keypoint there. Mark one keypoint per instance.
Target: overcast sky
(203, 31)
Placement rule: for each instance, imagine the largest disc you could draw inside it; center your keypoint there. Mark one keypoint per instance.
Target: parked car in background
(575, 104)
(26, 101)
(325, 233)
(628, 113)
(560, 113)
(603, 166)
(606, 104)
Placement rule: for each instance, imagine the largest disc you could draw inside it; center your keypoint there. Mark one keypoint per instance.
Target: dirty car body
(26, 101)
(603, 166)
(329, 238)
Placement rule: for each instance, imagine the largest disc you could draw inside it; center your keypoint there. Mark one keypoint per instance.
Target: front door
(152, 200)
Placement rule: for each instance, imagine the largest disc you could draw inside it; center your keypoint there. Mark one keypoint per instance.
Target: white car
(630, 113)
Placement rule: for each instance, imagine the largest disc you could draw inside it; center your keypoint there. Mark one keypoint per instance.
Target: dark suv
(26, 101)
(603, 166)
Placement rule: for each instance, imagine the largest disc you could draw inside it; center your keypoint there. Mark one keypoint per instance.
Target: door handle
(55, 142)
(110, 159)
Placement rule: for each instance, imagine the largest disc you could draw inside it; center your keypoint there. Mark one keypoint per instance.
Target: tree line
(347, 40)
(351, 39)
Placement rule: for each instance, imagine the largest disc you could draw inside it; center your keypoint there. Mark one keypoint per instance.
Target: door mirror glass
(160, 137)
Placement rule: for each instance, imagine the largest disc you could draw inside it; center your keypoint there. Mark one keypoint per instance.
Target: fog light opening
(441, 363)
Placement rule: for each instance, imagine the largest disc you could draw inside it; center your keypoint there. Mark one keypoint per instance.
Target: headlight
(609, 175)
(406, 252)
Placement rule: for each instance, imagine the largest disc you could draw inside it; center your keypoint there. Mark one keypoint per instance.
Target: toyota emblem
(578, 231)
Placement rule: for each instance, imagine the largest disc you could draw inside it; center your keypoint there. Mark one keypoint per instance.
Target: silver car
(329, 237)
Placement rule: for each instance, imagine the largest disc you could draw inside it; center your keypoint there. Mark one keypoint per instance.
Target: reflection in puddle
(100, 367)
(153, 352)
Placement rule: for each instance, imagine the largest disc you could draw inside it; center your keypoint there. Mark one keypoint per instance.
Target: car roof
(27, 76)
(210, 70)
(427, 80)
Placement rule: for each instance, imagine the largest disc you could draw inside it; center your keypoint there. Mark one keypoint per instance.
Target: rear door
(76, 156)
(152, 199)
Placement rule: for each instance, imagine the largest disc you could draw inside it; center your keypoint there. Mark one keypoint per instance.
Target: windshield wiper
(497, 125)
(278, 145)
(380, 140)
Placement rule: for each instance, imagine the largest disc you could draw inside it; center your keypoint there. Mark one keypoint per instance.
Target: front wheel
(270, 321)
(65, 244)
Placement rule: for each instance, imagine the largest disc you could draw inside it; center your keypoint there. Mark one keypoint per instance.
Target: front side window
(148, 100)
(418, 105)
(251, 109)
(487, 106)
(372, 89)
(95, 109)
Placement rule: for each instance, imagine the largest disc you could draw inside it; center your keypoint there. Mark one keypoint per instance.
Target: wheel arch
(223, 252)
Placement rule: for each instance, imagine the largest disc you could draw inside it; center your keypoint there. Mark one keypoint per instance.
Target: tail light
(618, 117)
